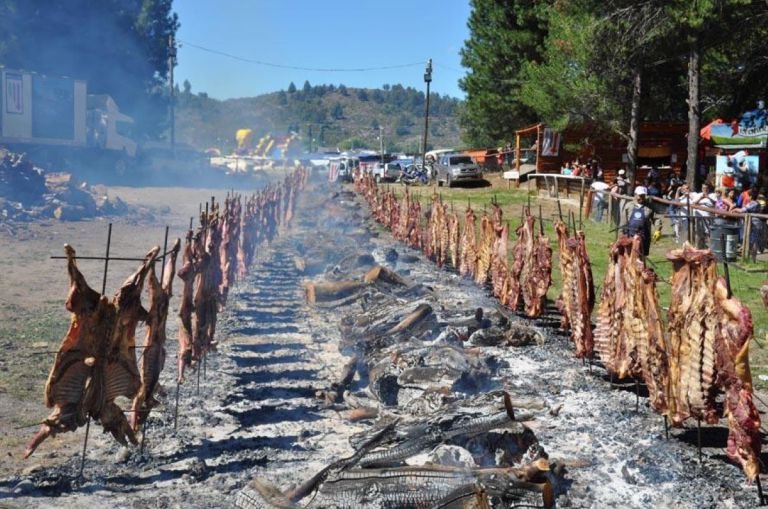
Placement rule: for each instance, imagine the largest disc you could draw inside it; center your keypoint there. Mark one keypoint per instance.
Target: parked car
(385, 172)
(453, 168)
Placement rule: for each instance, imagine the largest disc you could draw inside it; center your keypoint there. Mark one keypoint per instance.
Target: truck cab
(453, 168)
(107, 127)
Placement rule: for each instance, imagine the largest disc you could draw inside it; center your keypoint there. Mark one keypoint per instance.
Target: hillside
(332, 116)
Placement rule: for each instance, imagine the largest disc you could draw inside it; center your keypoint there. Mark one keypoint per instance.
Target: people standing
(599, 196)
(704, 198)
(639, 218)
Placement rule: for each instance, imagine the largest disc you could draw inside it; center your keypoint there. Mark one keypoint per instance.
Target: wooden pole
(747, 234)
(581, 204)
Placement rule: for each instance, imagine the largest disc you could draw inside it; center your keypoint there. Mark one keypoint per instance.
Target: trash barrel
(724, 231)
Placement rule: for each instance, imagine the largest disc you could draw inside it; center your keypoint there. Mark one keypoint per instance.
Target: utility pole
(427, 80)
(171, 65)
(309, 134)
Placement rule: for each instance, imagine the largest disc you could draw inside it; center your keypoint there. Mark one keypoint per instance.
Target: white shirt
(599, 187)
(706, 201)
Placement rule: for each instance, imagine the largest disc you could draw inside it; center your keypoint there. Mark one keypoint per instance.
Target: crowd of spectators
(741, 196)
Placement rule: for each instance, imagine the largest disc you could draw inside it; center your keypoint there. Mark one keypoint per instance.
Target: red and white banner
(550, 143)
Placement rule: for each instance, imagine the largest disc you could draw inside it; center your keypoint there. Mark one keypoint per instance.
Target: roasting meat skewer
(92, 320)
(468, 249)
(96, 362)
(153, 356)
(709, 344)
(121, 373)
(186, 273)
(693, 331)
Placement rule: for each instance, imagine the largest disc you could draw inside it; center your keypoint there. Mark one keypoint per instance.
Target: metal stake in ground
(162, 276)
(103, 291)
(560, 210)
(759, 487)
(725, 266)
(698, 437)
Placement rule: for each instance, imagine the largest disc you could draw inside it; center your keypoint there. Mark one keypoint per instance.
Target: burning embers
(470, 445)
(419, 361)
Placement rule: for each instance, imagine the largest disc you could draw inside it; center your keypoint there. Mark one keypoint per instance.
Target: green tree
(362, 94)
(504, 34)
(352, 143)
(338, 111)
(291, 88)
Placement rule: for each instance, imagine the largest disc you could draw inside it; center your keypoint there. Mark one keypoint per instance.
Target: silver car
(453, 168)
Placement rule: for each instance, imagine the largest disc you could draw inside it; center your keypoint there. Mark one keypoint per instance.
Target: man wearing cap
(638, 218)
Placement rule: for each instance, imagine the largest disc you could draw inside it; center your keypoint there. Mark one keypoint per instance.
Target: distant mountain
(329, 115)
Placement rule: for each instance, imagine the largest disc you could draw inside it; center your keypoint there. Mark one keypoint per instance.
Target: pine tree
(503, 35)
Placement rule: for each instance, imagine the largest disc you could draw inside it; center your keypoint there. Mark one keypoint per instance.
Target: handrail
(558, 175)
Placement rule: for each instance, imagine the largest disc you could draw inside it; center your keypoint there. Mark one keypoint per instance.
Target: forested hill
(331, 115)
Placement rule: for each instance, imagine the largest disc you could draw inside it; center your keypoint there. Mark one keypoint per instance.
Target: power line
(296, 67)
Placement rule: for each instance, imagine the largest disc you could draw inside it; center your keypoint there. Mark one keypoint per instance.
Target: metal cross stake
(698, 437)
(103, 291)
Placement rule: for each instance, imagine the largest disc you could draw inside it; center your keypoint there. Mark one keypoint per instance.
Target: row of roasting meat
(483, 258)
(97, 360)
(703, 353)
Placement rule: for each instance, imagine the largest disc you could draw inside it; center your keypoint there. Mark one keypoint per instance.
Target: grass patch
(29, 340)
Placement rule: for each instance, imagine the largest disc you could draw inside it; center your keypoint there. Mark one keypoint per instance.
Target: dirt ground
(33, 319)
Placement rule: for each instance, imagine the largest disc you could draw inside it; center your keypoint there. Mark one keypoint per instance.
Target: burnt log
(413, 319)
(416, 487)
(326, 292)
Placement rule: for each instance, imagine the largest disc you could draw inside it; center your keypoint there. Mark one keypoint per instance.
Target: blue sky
(333, 34)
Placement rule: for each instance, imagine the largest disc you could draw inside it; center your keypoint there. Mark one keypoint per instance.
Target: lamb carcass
(153, 355)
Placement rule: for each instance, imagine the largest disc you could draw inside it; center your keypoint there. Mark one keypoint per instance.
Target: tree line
(611, 64)
(326, 115)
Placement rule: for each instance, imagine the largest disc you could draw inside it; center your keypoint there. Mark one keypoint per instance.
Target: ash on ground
(256, 414)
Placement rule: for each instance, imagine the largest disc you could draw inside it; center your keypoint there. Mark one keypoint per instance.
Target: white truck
(390, 171)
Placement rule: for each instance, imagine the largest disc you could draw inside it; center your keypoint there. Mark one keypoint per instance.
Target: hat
(641, 190)
(621, 172)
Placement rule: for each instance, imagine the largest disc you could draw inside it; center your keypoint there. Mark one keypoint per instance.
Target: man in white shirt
(705, 198)
(599, 196)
